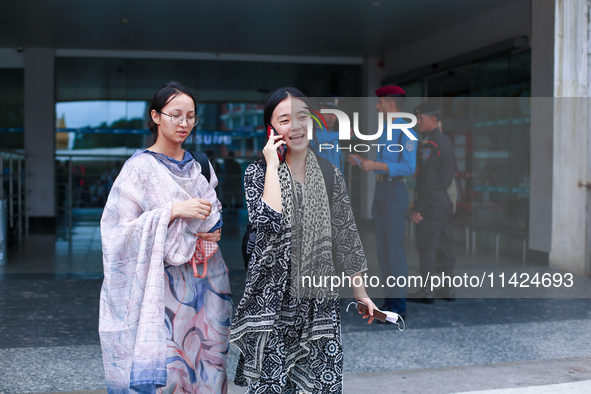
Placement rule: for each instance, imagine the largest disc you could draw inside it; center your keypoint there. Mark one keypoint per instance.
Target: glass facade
(486, 113)
(101, 116)
(12, 108)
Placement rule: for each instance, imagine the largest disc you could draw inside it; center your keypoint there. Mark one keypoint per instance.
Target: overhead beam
(238, 57)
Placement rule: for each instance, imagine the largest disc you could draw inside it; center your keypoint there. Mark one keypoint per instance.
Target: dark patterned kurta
(291, 344)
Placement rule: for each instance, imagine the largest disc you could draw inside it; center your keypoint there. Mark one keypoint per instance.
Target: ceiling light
(124, 20)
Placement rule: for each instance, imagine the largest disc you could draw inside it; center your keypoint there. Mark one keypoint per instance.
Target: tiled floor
(49, 312)
(56, 254)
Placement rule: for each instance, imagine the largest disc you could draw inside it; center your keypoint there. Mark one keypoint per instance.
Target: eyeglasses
(192, 120)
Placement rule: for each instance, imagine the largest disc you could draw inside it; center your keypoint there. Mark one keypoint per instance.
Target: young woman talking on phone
(165, 305)
(287, 329)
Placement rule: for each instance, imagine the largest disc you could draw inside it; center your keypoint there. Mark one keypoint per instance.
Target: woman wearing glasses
(165, 304)
(287, 329)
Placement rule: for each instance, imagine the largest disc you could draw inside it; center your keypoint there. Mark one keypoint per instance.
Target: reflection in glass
(12, 116)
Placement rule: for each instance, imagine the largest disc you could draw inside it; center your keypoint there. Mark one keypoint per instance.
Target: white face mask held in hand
(383, 316)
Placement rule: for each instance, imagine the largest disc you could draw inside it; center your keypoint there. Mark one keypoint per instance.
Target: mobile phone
(377, 314)
(282, 150)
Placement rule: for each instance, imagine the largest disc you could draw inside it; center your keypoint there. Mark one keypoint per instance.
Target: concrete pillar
(588, 206)
(542, 120)
(39, 138)
(571, 154)
(560, 208)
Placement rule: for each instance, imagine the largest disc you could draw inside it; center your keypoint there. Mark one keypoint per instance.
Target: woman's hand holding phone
(270, 150)
(370, 307)
(272, 191)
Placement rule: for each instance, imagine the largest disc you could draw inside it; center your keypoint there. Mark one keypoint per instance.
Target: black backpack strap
(202, 159)
(248, 242)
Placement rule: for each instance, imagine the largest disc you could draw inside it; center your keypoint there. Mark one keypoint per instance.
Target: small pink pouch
(203, 251)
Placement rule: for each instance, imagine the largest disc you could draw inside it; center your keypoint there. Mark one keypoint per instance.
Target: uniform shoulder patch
(426, 153)
(410, 145)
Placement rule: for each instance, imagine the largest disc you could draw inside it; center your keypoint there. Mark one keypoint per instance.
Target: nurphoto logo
(345, 129)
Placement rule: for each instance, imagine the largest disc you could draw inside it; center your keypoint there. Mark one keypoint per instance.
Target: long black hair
(162, 97)
(278, 96)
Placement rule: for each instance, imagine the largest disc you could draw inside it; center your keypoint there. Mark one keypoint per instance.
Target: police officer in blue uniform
(391, 200)
(328, 136)
(433, 209)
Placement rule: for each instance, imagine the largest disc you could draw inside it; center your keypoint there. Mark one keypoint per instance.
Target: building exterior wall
(559, 209)
(512, 20)
(571, 133)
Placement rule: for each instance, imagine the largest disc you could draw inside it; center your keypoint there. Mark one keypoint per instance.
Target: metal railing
(74, 199)
(12, 186)
(74, 195)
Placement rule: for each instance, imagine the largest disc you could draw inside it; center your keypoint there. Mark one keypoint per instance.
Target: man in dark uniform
(433, 209)
(391, 200)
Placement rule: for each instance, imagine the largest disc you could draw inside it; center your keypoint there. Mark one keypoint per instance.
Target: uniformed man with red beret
(391, 199)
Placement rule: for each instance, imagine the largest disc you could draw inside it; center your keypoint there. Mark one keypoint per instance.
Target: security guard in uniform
(391, 200)
(433, 209)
